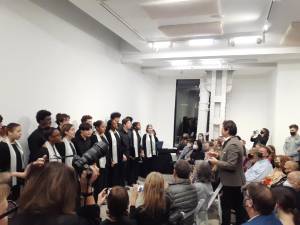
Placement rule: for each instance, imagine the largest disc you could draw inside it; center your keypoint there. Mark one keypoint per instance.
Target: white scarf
(102, 160)
(114, 147)
(53, 153)
(135, 144)
(69, 155)
(148, 145)
(13, 158)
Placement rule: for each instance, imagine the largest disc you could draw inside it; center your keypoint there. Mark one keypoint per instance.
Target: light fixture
(179, 63)
(159, 45)
(212, 62)
(266, 26)
(201, 42)
(164, 2)
(246, 40)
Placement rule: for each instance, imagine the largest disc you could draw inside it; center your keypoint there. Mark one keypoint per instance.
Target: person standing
(136, 152)
(230, 165)
(292, 144)
(82, 141)
(36, 140)
(262, 138)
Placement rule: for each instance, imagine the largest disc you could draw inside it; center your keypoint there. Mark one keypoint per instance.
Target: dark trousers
(116, 175)
(132, 171)
(101, 182)
(232, 198)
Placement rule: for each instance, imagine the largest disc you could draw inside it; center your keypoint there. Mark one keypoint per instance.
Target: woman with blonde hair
(155, 209)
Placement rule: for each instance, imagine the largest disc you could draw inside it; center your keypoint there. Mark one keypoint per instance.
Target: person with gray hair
(202, 182)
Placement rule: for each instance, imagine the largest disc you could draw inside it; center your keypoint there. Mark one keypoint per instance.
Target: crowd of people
(258, 186)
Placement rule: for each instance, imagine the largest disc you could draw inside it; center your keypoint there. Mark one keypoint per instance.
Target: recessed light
(246, 40)
(201, 42)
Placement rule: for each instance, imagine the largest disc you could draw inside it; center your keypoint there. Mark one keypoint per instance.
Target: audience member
(36, 140)
(117, 204)
(156, 206)
(50, 194)
(202, 181)
(292, 144)
(4, 192)
(231, 174)
(187, 150)
(261, 138)
(182, 194)
(285, 198)
(261, 168)
(259, 204)
(12, 157)
(197, 153)
(293, 181)
(272, 154)
(290, 166)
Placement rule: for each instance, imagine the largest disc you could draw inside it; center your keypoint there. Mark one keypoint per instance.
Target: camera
(97, 151)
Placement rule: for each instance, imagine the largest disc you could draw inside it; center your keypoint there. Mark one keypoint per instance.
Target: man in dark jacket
(182, 194)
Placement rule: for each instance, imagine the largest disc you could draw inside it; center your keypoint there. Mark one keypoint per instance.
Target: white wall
(287, 95)
(249, 104)
(55, 57)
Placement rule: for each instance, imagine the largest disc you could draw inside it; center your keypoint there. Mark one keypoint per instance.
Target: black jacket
(183, 196)
(126, 142)
(82, 145)
(260, 140)
(88, 215)
(35, 142)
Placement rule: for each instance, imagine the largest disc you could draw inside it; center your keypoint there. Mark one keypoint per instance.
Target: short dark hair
(85, 126)
(230, 126)
(60, 117)
(130, 118)
(117, 202)
(86, 118)
(48, 132)
(262, 198)
(42, 114)
(125, 120)
(98, 123)
(182, 169)
(294, 126)
(285, 197)
(1, 119)
(115, 115)
(200, 145)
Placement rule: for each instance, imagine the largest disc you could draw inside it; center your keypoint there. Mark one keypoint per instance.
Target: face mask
(293, 133)
(287, 184)
(195, 147)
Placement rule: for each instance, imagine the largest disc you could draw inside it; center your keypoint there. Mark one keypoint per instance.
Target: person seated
(197, 153)
(293, 181)
(117, 204)
(155, 207)
(261, 168)
(285, 198)
(4, 192)
(183, 194)
(259, 204)
(290, 166)
(250, 159)
(187, 150)
(277, 176)
(202, 177)
(49, 197)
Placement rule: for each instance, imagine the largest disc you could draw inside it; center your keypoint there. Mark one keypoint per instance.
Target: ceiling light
(177, 63)
(246, 40)
(266, 26)
(163, 2)
(201, 42)
(212, 62)
(159, 45)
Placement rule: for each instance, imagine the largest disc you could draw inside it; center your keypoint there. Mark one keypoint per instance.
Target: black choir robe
(82, 145)
(36, 141)
(116, 172)
(148, 163)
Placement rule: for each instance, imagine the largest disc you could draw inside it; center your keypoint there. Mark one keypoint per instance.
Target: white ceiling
(139, 22)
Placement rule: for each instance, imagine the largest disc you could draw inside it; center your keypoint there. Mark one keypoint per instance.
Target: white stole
(135, 144)
(102, 160)
(53, 153)
(114, 147)
(13, 158)
(69, 155)
(148, 145)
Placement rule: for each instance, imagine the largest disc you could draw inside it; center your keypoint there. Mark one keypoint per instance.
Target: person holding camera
(49, 197)
(260, 138)
(156, 206)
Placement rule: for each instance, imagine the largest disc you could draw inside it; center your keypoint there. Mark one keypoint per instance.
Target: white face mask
(195, 147)
(287, 184)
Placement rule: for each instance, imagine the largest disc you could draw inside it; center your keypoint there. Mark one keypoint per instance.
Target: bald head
(294, 179)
